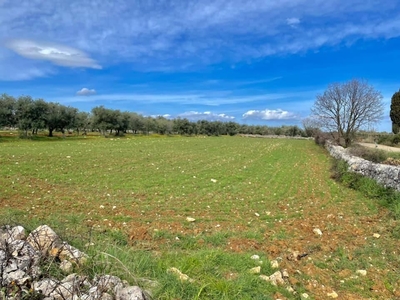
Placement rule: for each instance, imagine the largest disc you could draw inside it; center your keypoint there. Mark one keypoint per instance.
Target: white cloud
(207, 115)
(55, 53)
(267, 114)
(86, 92)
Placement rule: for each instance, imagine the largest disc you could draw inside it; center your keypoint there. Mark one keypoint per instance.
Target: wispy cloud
(57, 54)
(268, 114)
(86, 92)
(207, 98)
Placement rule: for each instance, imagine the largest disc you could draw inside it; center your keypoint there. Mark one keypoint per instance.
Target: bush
(396, 139)
(320, 138)
(389, 139)
(374, 155)
(384, 140)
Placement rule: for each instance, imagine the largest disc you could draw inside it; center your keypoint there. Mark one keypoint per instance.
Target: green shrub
(374, 155)
(384, 140)
(396, 139)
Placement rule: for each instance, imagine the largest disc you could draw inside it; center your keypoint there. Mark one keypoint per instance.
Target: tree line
(32, 115)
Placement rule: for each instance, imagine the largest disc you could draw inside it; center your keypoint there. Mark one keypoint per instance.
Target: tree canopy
(395, 112)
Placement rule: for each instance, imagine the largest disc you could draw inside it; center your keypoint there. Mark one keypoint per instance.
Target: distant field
(248, 196)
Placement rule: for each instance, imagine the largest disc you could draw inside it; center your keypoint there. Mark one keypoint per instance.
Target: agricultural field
(127, 201)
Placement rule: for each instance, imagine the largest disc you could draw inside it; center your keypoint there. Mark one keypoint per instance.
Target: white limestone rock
(44, 239)
(131, 293)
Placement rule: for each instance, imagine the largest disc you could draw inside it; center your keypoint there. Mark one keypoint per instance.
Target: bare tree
(344, 108)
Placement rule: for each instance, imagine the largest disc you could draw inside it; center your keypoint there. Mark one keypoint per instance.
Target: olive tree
(7, 111)
(60, 117)
(345, 108)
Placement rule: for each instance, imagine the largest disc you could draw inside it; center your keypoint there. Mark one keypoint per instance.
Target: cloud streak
(211, 98)
(55, 53)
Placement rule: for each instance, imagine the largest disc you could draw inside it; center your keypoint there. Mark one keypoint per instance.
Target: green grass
(130, 196)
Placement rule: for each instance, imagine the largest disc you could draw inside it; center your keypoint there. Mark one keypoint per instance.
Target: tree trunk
(347, 141)
(51, 132)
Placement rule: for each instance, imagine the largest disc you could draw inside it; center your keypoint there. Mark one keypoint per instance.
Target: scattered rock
(255, 270)
(257, 214)
(361, 272)
(295, 255)
(190, 219)
(213, 180)
(290, 289)
(255, 257)
(332, 295)
(317, 231)
(274, 264)
(274, 279)
(376, 235)
(181, 276)
(304, 296)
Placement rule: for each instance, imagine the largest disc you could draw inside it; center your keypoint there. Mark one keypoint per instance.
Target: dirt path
(380, 147)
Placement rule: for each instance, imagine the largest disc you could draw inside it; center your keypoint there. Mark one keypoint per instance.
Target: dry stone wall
(21, 273)
(388, 176)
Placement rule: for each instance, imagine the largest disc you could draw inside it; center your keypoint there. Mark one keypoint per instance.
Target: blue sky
(253, 62)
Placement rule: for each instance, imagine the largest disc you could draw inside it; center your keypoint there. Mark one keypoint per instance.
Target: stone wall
(22, 273)
(388, 176)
